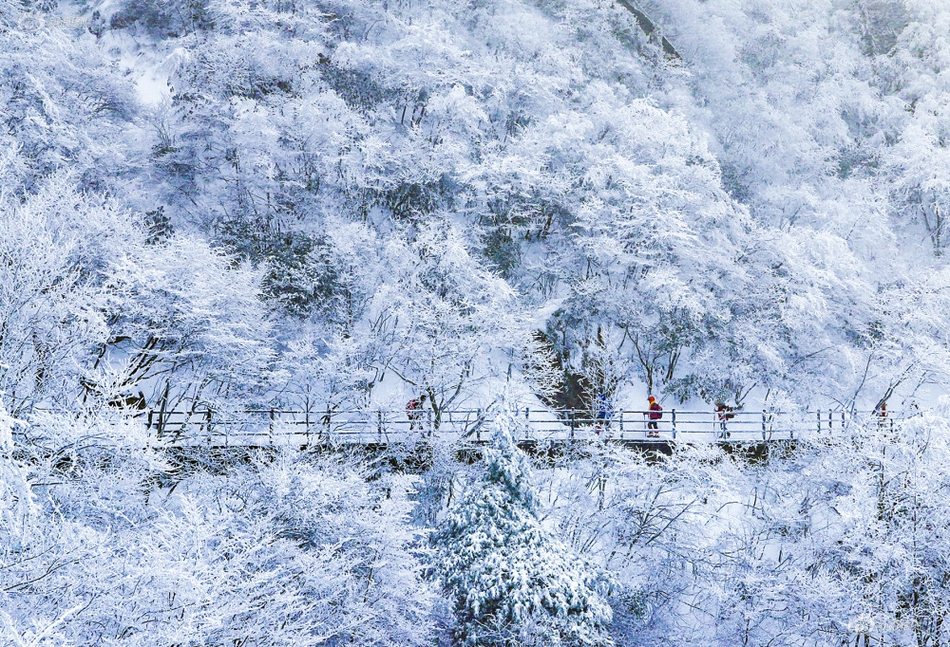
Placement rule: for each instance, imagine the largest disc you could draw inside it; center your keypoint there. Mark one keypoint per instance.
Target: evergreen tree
(513, 583)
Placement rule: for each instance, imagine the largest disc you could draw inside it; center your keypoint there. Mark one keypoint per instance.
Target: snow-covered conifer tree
(511, 580)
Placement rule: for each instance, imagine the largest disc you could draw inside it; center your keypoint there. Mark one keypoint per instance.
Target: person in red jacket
(724, 412)
(414, 411)
(656, 412)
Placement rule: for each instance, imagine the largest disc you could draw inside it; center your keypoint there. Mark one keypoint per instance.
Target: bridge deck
(298, 428)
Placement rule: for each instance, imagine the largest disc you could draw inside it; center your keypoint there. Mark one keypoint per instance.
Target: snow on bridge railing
(260, 427)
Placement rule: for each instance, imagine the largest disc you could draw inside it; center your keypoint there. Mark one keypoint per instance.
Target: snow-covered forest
(338, 205)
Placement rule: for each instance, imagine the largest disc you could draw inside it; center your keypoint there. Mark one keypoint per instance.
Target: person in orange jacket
(656, 412)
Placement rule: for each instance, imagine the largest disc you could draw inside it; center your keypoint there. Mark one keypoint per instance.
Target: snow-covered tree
(16, 497)
(297, 550)
(510, 578)
(66, 108)
(187, 323)
(56, 247)
(888, 527)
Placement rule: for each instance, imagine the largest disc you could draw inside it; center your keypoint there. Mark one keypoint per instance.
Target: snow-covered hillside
(346, 204)
(760, 218)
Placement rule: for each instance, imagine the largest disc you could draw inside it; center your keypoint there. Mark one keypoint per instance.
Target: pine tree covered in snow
(511, 580)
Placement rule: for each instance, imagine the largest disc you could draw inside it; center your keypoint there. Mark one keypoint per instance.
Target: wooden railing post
(763, 424)
(570, 414)
(673, 422)
(151, 414)
(478, 425)
(160, 431)
(270, 427)
(306, 424)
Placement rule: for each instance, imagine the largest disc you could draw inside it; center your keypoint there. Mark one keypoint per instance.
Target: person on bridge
(724, 412)
(656, 412)
(881, 410)
(414, 411)
(604, 413)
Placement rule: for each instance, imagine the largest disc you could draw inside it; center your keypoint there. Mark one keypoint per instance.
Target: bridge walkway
(273, 427)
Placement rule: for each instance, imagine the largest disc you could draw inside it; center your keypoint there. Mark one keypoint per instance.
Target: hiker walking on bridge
(414, 412)
(604, 413)
(881, 412)
(724, 412)
(655, 413)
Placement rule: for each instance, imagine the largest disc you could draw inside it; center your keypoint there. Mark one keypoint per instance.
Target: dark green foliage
(734, 181)
(358, 88)
(38, 5)
(502, 252)
(879, 24)
(532, 217)
(178, 157)
(854, 159)
(163, 18)
(575, 390)
(257, 86)
(412, 200)
(708, 388)
(301, 276)
(303, 279)
(159, 226)
(97, 25)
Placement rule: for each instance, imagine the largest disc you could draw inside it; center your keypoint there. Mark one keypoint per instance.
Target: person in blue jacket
(604, 413)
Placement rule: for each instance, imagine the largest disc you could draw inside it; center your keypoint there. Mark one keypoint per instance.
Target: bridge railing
(382, 426)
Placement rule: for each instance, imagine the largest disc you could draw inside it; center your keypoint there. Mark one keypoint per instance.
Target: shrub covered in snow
(297, 551)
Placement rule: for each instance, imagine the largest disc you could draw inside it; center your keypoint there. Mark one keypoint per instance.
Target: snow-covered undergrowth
(295, 551)
(829, 543)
